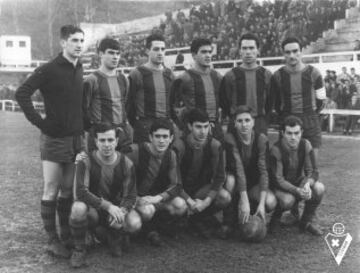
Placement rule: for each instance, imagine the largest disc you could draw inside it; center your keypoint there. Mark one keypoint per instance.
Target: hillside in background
(41, 19)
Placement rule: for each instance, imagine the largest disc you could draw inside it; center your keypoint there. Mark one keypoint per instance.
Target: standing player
(201, 160)
(294, 175)
(198, 87)
(158, 181)
(60, 82)
(105, 91)
(248, 84)
(299, 90)
(106, 192)
(149, 89)
(247, 155)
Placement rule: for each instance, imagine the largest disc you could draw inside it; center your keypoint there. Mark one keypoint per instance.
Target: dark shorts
(60, 150)
(125, 138)
(312, 129)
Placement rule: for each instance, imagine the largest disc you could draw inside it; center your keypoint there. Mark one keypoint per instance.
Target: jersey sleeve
(26, 90)
(275, 93)
(82, 192)
(177, 106)
(263, 147)
(128, 198)
(89, 87)
(227, 88)
(233, 152)
(130, 104)
(310, 168)
(175, 184)
(218, 165)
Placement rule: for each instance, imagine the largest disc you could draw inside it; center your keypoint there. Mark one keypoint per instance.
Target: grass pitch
(22, 237)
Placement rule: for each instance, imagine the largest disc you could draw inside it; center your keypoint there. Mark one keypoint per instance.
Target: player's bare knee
(51, 190)
(223, 199)
(146, 211)
(93, 217)
(78, 211)
(318, 190)
(178, 206)
(230, 183)
(287, 201)
(270, 201)
(132, 222)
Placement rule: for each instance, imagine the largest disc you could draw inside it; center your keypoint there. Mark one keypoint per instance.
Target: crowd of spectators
(224, 21)
(343, 92)
(7, 91)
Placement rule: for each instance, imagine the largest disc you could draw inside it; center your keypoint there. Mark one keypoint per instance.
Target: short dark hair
(290, 40)
(197, 115)
(153, 37)
(197, 43)
(104, 127)
(243, 109)
(67, 30)
(108, 43)
(291, 121)
(250, 36)
(161, 123)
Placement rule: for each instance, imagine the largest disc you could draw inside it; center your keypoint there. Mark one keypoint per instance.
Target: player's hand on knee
(116, 213)
(308, 192)
(303, 193)
(191, 206)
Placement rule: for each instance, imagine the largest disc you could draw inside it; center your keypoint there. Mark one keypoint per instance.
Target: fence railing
(10, 105)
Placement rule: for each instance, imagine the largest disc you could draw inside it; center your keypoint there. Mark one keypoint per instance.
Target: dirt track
(22, 237)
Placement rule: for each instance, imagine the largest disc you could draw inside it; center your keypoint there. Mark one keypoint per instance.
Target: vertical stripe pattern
(297, 90)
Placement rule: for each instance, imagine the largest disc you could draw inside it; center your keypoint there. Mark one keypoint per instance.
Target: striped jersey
(155, 174)
(149, 93)
(247, 162)
(298, 92)
(194, 89)
(99, 183)
(243, 86)
(288, 165)
(104, 98)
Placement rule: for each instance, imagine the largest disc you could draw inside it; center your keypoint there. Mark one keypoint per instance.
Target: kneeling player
(201, 160)
(291, 158)
(247, 177)
(157, 178)
(106, 195)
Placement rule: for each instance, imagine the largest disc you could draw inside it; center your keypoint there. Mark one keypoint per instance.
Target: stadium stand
(225, 21)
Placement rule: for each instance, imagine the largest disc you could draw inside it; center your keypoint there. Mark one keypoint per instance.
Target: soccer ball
(254, 230)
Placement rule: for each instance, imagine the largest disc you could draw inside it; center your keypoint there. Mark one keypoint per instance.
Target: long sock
(78, 231)
(230, 214)
(309, 210)
(64, 209)
(48, 216)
